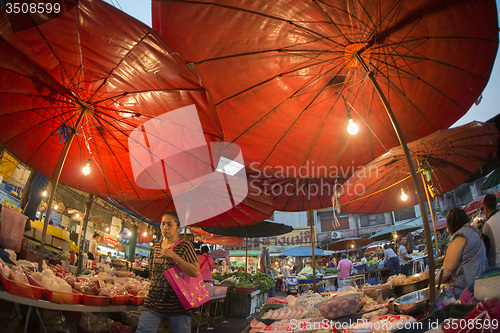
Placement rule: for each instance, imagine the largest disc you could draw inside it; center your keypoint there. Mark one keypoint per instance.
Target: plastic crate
(371, 281)
(137, 300)
(95, 300)
(309, 280)
(120, 299)
(63, 298)
(34, 291)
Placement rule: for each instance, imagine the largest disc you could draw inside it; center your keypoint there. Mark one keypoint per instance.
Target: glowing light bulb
(86, 169)
(55, 207)
(352, 128)
(352, 246)
(107, 229)
(403, 195)
(77, 215)
(129, 234)
(44, 193)
(145, 233)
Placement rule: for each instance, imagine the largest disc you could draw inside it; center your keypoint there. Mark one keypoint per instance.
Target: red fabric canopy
(94, 60)
(285, 76)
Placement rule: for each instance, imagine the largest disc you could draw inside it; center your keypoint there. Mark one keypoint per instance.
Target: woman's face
(169, 227)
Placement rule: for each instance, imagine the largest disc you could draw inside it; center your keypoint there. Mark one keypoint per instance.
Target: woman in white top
(93, 254)
(392, 259)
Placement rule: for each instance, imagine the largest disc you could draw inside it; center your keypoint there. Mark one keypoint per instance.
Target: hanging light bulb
(403, 195)
(44, 193)
(77, 215)
(107, 229)
(145, 234)
(55, 207)
(352, 128)
(129, 233)
(86, 169)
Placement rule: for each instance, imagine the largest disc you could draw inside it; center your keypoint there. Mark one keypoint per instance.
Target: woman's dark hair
(173, 213)
(386, 246)
(456, 219)
(204, 249)
(96, 234)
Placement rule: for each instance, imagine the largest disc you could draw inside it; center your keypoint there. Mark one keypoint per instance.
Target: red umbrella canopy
(286, 75)
(92, 60)
(447, 158)
(296, 194)
(348, 243)
(254, 208)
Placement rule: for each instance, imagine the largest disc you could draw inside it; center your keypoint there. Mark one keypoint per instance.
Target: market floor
(12, 320)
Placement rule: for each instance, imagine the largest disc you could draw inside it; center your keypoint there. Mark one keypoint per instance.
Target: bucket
(12, 229)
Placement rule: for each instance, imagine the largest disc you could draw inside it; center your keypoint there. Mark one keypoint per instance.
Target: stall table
(206, 307)
(302, 287)
(376, 274)
(330, 282)
(42, 304)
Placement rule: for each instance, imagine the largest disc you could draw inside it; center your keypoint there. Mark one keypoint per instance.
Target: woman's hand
(168, 253)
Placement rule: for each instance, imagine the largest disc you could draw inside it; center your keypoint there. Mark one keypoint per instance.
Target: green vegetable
(271, 306)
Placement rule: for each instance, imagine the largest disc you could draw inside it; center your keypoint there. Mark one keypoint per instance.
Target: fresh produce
(372, 263)
(340, 306)
(271, 306)
(241, 279)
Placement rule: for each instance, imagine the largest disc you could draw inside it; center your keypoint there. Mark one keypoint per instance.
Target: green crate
(238, 304)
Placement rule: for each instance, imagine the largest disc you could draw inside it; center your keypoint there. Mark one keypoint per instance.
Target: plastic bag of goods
(485, 318)
(339, 306)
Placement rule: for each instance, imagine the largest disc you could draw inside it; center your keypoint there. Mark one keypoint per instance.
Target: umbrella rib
(125, 56)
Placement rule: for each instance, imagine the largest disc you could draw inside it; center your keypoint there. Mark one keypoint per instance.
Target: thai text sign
(297, 237)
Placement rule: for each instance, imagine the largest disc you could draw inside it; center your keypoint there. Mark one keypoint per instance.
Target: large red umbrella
(284, 75)
(447, 157)
(254, 208)
(77, 83)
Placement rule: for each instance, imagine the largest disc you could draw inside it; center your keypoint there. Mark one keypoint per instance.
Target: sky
(487, 108)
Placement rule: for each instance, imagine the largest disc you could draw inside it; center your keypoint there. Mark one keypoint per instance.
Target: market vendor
(404, 257)
(345, 266)
(392, 259)
(465, 257)
(93, 254)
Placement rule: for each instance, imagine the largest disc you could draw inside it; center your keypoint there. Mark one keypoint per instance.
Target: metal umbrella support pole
(83, 233)
(432, 214)
(310, 218)
(246, 252)
(402, 141)
(55, 181)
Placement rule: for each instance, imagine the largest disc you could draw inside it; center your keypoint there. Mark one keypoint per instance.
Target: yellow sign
(8, 166)
(297, 237)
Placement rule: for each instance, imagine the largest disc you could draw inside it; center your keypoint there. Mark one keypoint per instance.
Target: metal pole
(83, 233)
(402, 141)
(310, 218)
(246, 250)
(432, 214)
(55, 181)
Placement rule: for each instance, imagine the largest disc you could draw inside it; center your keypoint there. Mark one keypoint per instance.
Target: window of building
(405, 214)
(327, 222)
(371, 220)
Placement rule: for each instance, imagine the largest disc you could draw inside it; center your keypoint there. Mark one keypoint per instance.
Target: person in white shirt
(392, 259)
(404, 258)
(491, 230)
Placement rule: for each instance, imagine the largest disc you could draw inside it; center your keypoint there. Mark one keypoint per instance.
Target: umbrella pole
(246, 251)
(55, 181)
(313, 243)
(402, 141)
(432, 215)
(83, 233)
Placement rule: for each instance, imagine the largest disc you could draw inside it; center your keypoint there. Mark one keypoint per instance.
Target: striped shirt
(161, 298)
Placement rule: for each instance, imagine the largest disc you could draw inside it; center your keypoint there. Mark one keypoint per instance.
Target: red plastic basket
(137, 300)
(63, 298)
(120, 300)
(95, 300)
(34, 291)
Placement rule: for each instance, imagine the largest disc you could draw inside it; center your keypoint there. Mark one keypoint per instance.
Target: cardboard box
(38, 236)
(60, 243)
(65, 235)
(54, 231)
(37, 224)
(30, 233)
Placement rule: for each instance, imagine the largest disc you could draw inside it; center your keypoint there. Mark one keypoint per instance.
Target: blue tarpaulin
(302, 252)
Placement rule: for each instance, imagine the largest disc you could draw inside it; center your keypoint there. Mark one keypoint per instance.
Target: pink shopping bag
(191, 291)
